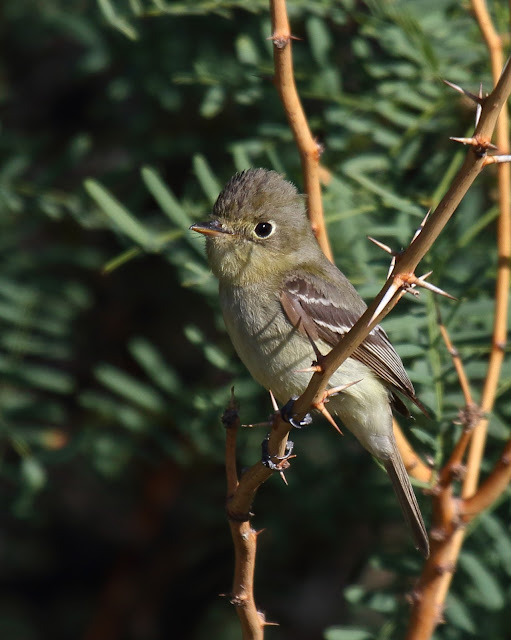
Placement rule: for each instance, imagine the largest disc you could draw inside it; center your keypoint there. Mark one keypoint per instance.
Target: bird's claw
(266, 458)
(287, 414)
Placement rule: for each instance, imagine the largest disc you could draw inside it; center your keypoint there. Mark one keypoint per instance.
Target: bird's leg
(283, 461)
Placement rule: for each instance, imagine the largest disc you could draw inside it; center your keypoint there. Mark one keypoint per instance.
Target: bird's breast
(268, 345)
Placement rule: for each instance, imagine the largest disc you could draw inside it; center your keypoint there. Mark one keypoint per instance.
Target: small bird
(279, 293)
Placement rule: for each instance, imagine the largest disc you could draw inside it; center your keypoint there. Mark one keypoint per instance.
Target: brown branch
(456, 360)
(468, 417)
(308, 148)
(243, 536)
(309, 153)
(405, 263)
(409, 259)
(434, 582)
(494, 44)
(491, 489)
(413, 464)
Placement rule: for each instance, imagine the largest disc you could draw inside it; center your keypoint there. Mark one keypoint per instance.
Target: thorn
(475, 141)
(479, 107)
(477, 99)
(282, 475)
(481, 146)
(324, 411)
(391, 267)
(268, 624)
(427, 285)
(382, 246)
(496, 159)
(273, 401)
(463, 140)
(421, 226)
(255, 425)
(317, 352)
(335, 390)
(315, 368)
(391, 292)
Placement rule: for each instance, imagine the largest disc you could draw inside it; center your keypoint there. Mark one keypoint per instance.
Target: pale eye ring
(264, 229)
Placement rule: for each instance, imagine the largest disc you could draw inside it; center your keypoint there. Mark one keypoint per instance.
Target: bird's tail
(407, 500)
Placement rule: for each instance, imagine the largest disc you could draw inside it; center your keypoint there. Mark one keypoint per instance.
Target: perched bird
(279, 292)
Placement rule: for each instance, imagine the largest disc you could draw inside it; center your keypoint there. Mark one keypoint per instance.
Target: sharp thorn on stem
(273, 401)
(385, 247)
(326, 414)
(479, 107)
(421, 226)
(477, 99)
(421, 282)
(335, 390)
(391, 267)
(315, 368)
(391, 292)
(317, 352)
(496, 159)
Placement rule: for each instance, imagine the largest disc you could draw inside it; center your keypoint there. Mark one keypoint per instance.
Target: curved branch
(308, 148)
(434, 583)
(409, 259)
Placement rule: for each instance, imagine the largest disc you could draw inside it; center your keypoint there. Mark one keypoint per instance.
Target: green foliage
(121, 121)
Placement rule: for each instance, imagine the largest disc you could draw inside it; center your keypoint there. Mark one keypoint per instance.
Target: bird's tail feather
(407, 500)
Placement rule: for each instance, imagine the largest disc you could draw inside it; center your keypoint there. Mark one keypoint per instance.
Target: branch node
(281, 40)
(441, 569)
(505, 460)
(413, 597)
(481, 145)
(230, 417)
(439, 534)
(469, 416)
(238, 517)
(458, 471)
(501, 346)
(238, 600)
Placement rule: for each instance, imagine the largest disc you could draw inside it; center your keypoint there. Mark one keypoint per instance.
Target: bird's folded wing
(321, 316)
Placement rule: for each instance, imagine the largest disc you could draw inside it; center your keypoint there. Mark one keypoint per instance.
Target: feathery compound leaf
(160, 372)
(206, 178)
(484, 588)
(119, 215)
(130, 388)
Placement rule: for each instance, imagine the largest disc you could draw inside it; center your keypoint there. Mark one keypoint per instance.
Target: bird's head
(259, 229)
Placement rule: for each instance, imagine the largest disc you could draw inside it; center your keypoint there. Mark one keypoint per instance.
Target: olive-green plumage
(278, 291)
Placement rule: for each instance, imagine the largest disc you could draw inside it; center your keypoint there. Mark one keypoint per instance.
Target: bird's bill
(210, 228)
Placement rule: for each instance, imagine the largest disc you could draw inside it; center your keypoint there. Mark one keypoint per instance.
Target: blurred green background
(120, 122)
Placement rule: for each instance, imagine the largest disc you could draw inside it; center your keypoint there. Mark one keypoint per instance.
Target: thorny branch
(447, 538)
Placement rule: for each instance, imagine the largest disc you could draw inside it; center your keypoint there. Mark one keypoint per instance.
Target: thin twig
(434, 583)
(308, 148)
(491, 489)
(407, 261)
(243, 536)
(469, 416)
(494, 44)
(413, 464)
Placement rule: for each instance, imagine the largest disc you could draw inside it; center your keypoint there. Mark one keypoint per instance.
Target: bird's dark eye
(263, 229)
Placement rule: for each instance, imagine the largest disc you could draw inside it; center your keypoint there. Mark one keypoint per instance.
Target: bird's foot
(287, 414)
